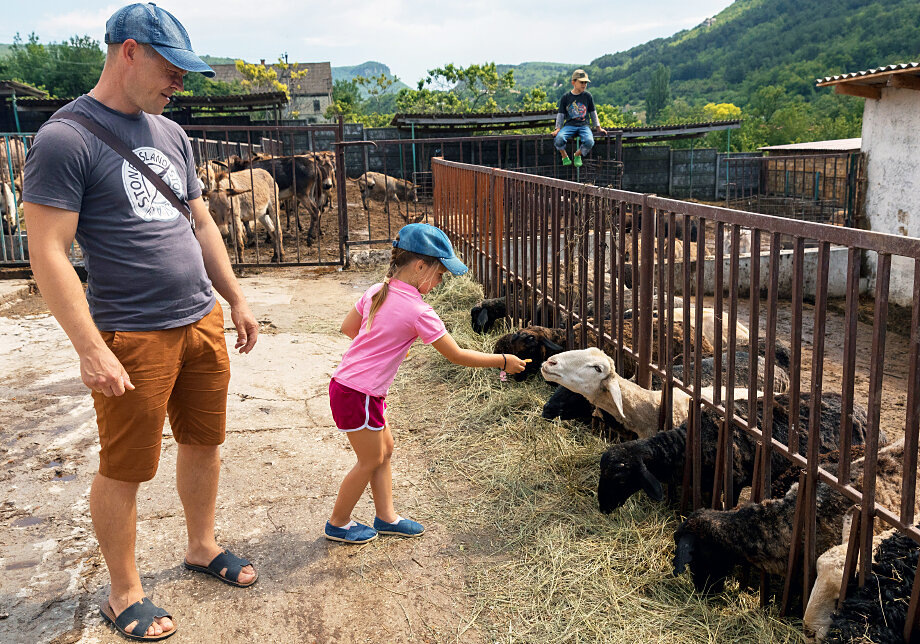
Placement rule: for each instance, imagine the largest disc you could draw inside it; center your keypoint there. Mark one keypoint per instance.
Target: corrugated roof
(837, 145)
(870, 76)
(10, 87)
(317, 82)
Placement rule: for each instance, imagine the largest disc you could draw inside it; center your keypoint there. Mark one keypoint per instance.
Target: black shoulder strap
(124, 151)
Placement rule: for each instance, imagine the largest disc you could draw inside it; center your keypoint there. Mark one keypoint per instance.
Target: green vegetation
(64, 69)
(527, 75)
(369, 69)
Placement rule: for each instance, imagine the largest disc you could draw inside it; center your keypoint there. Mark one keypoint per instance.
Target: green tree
(659, 93)
(64, 69)
(475, 86)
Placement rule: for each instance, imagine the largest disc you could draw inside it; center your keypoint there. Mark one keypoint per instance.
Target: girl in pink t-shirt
(383, 325)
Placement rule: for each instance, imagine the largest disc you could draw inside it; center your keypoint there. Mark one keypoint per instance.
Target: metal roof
(836, 145)
(483, 121)
(230, 103)
(11, 87)
(875, 76)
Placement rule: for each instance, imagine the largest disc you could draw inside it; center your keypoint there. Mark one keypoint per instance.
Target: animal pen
(550, 246)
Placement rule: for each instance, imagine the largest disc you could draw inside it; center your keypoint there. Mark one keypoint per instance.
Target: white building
(891, 143)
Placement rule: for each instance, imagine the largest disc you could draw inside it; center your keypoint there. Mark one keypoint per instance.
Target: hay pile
(549, 567)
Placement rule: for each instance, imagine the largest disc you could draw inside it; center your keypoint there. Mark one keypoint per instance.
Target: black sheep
(484, 315)
(713, 542)
(644, 464)
(878, 610)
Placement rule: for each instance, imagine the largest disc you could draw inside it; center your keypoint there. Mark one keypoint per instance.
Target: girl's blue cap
(425, 239)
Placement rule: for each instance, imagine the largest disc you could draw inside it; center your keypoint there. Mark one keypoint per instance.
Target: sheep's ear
(684, 554)
(482, 318)
(613, 387)
(650, 484)
(552, 346)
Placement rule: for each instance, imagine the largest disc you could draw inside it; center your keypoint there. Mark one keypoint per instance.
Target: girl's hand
(514, 364)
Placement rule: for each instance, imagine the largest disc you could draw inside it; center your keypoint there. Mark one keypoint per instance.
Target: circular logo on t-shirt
(145, 199)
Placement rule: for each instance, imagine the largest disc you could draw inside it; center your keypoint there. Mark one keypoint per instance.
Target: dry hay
(547, 566)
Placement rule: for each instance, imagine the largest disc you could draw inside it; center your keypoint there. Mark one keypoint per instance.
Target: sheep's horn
(482, 318)
(552, 346)
(650, 484)
(684, 554)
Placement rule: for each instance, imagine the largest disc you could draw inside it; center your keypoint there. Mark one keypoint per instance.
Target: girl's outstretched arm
(351, 324)
(448, 348)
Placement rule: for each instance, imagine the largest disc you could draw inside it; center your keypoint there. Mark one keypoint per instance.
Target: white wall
(891, 142)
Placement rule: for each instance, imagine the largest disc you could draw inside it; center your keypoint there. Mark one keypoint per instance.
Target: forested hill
(755, 43)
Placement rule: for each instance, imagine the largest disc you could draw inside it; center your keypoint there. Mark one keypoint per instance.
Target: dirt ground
(282, 463)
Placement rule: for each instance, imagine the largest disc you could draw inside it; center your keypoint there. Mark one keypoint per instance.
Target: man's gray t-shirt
(144, 264)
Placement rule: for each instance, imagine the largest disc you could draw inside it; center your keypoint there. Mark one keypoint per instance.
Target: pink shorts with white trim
(353, 410)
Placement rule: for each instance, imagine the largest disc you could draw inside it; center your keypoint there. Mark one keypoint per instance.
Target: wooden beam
(865, 91)
(905, 81)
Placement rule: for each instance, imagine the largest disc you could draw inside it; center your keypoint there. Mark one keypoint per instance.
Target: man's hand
(601, 130)
(101, 371)
(555, 132)
(247, 329)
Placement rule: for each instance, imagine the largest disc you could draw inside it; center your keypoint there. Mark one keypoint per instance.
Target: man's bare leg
(197, 475)
(113, 506)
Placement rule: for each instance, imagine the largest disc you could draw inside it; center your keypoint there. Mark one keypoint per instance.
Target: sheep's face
(710, 565)
(623, 473)
(527, 346)
(582, 370)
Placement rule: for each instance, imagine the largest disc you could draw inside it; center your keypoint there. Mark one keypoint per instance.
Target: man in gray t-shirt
(149, 332)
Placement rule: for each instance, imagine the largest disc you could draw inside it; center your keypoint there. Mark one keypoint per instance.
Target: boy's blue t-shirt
(576, 107)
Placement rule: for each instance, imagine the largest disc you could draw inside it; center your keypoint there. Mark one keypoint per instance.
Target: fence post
(646, 276)
(340, 188)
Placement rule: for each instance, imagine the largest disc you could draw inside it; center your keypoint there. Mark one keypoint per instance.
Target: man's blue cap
(148, 24)
(425, 239)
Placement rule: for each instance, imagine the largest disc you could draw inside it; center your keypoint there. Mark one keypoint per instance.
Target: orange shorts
(183, 372)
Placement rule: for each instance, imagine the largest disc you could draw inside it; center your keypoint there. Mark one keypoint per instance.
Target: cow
(241, 197)
(382, 187)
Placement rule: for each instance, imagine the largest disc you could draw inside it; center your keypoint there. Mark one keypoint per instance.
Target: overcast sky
(410, 36)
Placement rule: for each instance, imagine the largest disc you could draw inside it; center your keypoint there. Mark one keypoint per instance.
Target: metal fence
(824, 188)
(559, 250)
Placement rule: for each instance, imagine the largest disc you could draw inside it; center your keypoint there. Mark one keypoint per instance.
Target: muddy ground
(282, 463)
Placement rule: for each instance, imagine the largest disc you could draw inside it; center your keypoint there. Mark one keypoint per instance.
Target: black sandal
(231, 562)
(144, 613)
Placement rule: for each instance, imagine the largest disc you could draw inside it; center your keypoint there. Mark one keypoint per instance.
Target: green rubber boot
(566, 160)
(578, 161)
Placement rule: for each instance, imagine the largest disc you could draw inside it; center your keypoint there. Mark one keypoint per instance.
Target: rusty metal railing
(579, 256)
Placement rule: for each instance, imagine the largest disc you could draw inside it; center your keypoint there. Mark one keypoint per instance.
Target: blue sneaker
(358, 533)
(403, 528)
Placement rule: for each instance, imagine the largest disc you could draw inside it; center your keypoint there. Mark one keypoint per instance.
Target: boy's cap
(148, 24)
(425, 239)
(580, 74)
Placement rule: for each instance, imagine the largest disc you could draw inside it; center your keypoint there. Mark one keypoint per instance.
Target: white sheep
(592, 373)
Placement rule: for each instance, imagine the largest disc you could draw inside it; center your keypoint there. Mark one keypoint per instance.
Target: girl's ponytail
(381, 295)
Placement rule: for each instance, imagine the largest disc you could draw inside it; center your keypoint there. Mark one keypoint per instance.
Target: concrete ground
(282, 463)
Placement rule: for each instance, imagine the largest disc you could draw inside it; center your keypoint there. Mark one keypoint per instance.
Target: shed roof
(836, 145)
(10, 87)
(869, 83)
(484, 121)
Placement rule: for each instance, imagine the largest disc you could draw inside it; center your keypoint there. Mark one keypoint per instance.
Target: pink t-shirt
(370, 363)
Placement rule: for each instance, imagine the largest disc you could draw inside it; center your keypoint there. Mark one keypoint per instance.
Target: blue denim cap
(425, 239)
(148, 24)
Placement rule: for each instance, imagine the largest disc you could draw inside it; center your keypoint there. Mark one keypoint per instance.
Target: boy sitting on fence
(572, 119)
